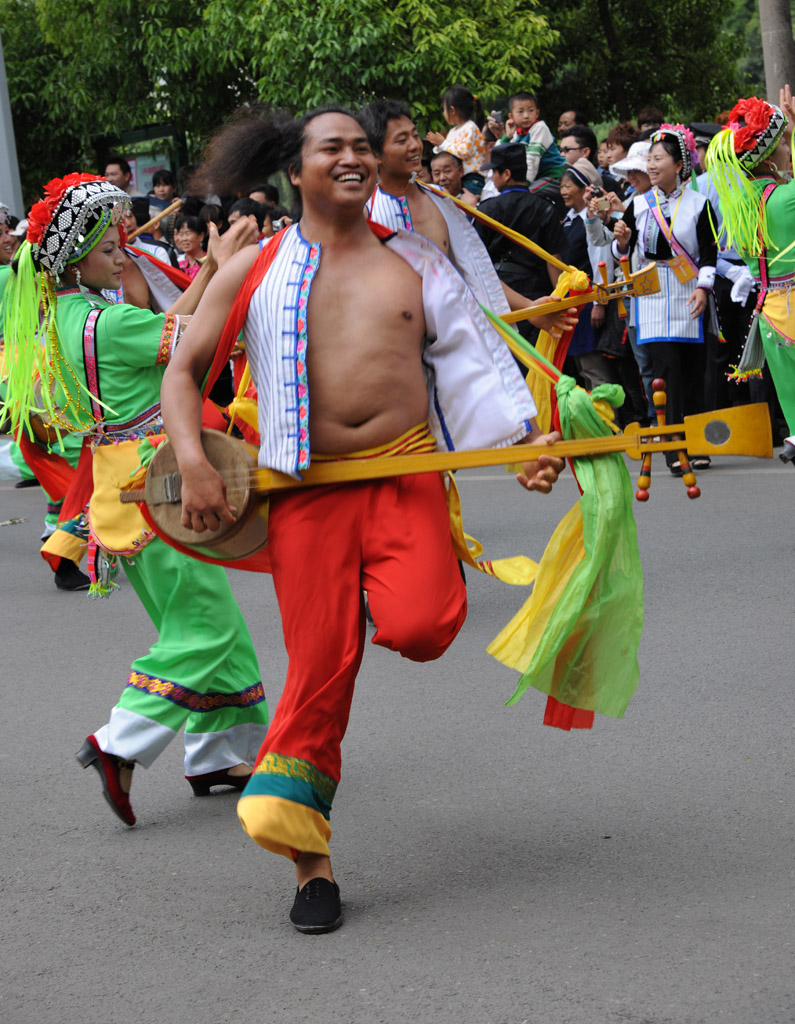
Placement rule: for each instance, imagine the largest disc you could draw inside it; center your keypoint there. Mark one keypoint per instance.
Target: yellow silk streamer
(241, 407)
(546, 345)
(515, 645)
(518, 570)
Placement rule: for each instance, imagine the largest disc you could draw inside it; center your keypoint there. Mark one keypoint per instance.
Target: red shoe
(108, 766)
(200, 784)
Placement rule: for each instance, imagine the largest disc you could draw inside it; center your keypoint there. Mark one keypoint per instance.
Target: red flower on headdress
(39, 217)
(756, 114)
(42, 212)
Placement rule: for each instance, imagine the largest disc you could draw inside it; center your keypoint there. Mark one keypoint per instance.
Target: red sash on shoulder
(174, 274)
(239, 311)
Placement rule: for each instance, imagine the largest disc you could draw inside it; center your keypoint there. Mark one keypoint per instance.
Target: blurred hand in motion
(542, 473)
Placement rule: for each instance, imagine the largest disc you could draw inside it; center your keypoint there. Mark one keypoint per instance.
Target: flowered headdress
(68, 222)
(754, 131)
(686, 142)
(63, 227)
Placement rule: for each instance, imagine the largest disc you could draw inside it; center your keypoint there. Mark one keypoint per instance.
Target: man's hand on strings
(541, 473)
(204, 504)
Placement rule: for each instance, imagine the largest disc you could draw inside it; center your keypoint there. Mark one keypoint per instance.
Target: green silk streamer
(586, 654)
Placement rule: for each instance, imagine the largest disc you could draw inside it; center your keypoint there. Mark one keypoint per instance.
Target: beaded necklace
(84, 419)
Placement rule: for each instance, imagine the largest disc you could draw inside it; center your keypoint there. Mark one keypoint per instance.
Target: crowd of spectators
(574, 193)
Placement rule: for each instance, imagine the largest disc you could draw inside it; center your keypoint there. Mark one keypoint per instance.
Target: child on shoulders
(545, 163)
(464, 139)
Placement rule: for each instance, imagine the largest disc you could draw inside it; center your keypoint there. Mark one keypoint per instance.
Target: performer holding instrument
(342, 324)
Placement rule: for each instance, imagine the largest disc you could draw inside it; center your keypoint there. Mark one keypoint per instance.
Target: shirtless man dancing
(360, 318)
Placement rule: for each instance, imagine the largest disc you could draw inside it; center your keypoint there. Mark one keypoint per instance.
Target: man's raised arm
(204, 504)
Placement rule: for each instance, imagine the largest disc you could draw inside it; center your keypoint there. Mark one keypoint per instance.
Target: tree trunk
(777, 46)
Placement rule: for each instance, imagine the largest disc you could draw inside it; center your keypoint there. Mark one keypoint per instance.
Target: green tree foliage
(350, 51)
(88, 68)
(616, 58)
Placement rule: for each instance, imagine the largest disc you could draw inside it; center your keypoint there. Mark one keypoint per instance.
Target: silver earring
(77, 276)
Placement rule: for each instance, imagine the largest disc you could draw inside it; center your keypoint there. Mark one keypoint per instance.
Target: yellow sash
(519, 569)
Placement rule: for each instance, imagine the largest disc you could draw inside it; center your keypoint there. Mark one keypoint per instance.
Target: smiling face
(447, 173)
(401, 153)
(338, 167)
(102, 267)
(662, 168)
(639, 180)
(8, 244)
(571, 193)
(189, 241)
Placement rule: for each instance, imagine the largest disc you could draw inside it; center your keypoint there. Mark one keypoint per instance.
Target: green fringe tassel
(29, 319)
(739, 200)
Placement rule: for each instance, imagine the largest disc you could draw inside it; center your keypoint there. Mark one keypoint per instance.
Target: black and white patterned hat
(82, 214)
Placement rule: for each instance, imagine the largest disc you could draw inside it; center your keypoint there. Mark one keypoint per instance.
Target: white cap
(21, 229)
(635, 160)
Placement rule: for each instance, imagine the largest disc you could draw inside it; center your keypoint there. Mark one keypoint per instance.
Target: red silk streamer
(174, 274)
(52, 471)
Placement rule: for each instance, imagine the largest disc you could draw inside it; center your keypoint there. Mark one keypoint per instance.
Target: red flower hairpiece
(42, 212)
(756, 114)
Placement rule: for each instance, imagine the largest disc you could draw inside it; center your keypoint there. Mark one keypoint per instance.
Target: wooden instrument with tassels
(742, 430)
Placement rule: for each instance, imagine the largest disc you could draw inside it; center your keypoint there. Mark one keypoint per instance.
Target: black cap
(704, 131)
(510, 157)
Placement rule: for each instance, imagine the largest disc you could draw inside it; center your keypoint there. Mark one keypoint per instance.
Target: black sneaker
(69, 577)
(317, 907)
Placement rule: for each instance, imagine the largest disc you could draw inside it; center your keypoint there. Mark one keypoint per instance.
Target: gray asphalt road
(494, 871)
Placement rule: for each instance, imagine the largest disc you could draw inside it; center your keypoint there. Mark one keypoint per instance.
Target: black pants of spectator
(615, 345)
(681, 365)
(734, 320)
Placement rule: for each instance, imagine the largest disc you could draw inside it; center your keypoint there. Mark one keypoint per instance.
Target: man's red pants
(390, 538)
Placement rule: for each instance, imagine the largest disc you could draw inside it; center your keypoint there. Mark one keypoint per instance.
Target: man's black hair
(246, 151)
(375, 118)
(248, 207)
(125, 167)
(270, 192)
(140, 209)
(585, 137)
